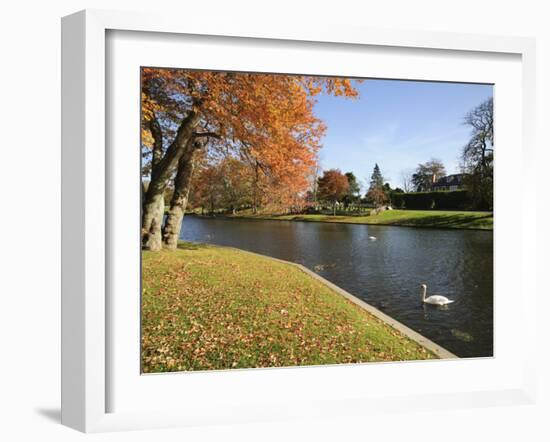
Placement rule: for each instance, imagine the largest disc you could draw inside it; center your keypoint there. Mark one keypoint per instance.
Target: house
(450, 182)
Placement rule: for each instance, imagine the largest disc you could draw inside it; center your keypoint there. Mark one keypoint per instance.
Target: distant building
(450, 182)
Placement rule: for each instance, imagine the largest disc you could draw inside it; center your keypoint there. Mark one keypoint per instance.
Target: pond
(385, 272)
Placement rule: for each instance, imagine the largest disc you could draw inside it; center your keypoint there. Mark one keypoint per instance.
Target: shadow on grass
(456, 221)
(445, 221)
(184, 245)
(450, 221)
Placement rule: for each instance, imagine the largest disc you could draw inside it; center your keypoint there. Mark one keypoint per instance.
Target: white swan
(372, 238)
(434, 299)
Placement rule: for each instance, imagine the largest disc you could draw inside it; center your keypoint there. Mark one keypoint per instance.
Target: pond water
(386, 272)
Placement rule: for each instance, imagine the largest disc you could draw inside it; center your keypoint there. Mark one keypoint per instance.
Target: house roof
(450, 180)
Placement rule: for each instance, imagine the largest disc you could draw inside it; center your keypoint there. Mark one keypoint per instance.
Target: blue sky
(397, 124)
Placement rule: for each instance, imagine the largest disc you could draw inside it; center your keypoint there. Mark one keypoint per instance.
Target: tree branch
(206, 134)
(156, 132)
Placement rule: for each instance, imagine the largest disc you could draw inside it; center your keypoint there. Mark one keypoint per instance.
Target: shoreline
(360, 220)
(239, 309)
(430, 345)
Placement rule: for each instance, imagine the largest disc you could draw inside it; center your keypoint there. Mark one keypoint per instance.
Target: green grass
(411, 218)
(207, 307)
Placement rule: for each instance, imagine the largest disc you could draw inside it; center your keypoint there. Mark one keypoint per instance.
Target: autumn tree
(208, 188)
(233, 183)
(236, 184)
(377, 193)
(333, 186)
(427, 174)
(477, 155)
(267, 118)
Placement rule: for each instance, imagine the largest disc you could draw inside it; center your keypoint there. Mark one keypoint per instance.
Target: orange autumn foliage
(266, 121)
(333, 185)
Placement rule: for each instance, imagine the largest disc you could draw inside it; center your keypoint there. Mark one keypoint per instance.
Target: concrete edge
(437, 349)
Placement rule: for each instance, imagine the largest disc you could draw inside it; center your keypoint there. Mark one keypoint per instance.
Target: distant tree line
(476, 166)
(227, 178)
(342, 191)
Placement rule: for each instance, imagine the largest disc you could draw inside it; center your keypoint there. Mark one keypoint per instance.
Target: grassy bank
(411, 218)
(207, 307)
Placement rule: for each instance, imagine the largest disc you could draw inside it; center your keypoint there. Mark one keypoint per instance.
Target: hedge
(444, 200)
(397, 200)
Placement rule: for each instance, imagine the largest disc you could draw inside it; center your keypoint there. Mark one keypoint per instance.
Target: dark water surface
(387, 272)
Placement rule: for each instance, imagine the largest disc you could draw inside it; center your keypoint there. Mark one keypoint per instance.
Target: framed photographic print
(264, 223)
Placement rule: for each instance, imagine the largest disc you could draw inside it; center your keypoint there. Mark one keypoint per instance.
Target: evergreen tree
(376, 179)
(377, 194)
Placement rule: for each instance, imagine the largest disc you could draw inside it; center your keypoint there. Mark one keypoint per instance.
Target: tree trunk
(142, 197)
(151, 223)
(152, 240)
(255, 188)
(156, 132)
(178, 204)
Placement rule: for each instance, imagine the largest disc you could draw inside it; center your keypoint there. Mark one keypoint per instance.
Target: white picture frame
(86, 316)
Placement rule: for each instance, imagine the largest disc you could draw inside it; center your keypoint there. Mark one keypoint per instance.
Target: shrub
(397, 200)
(442, 200)
(419, 200)
(457, 200)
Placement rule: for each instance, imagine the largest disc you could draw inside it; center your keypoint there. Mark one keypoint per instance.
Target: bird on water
(433, 299)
